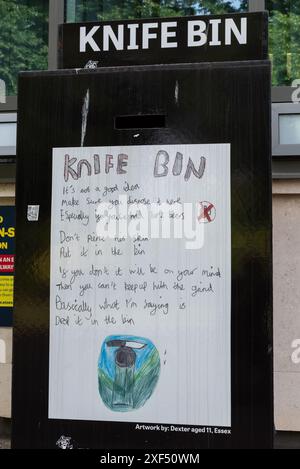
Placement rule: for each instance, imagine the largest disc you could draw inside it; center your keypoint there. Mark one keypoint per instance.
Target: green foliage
(283, 6)
(285, 47)
(23, 39)
(217, 7)
(130, 9)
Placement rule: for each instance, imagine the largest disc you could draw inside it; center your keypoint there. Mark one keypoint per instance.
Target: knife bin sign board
(136, 338)
(151, 41)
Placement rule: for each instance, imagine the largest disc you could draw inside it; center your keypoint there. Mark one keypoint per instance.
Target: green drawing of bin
(128, 371)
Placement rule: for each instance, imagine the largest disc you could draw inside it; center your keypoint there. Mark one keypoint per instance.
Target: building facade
(29, 38)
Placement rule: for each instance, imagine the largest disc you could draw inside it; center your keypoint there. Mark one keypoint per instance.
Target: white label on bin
(140, 306)
(33, 212)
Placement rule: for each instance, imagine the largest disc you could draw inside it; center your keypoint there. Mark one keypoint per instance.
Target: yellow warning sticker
(6, 291)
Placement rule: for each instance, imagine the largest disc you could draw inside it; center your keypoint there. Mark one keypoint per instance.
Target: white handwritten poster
(140, 296)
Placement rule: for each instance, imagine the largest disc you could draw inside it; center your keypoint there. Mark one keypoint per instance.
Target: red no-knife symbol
(207, 212)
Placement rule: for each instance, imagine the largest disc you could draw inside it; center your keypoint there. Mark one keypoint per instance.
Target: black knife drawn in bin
(125, 359)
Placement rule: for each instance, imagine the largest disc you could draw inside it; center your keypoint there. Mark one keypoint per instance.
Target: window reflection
(97, 10)
(289, 129)
(284, 40)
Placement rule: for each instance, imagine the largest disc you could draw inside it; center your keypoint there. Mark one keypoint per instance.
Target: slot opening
(148, 121)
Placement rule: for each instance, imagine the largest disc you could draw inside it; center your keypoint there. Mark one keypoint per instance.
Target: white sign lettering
(199, 33)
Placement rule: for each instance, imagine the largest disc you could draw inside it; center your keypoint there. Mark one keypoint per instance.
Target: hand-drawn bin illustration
(128, 371)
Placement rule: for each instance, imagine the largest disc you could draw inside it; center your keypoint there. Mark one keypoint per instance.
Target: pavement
(5, 432)
(5, 443)
(283, 440)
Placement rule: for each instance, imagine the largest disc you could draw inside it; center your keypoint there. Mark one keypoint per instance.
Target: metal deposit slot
(150, 121)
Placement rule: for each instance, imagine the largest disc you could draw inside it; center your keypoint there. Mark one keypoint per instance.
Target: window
(284, 40)
(23, 39)
(97, 10)
(289, 129)
(286, 130)
(8, 135)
